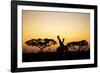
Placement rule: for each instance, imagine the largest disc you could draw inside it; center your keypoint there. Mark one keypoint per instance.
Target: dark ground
(52, 56)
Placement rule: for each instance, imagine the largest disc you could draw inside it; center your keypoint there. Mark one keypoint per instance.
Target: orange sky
(39, 24)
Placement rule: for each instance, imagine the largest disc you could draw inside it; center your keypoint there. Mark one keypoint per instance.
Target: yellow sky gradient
(42, 24)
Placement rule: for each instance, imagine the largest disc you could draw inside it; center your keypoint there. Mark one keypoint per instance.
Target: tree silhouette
(81, 44)
(41, 43)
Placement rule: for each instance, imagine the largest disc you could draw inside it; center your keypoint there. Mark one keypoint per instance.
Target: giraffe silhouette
(62, 47)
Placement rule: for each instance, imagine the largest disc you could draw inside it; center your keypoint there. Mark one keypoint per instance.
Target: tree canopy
(41, 43)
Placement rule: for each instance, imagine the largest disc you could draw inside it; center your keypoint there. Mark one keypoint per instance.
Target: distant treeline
(43, 43)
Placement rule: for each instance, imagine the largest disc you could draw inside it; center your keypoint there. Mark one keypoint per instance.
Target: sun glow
(70, 26)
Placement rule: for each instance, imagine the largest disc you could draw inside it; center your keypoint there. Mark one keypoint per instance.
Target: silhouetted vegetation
(41, 43)
(52, 56)
(62, 52)
(81, 44)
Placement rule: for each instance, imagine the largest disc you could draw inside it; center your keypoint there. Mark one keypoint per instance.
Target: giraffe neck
(61, 43)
